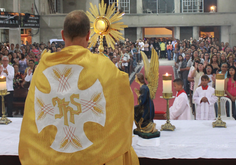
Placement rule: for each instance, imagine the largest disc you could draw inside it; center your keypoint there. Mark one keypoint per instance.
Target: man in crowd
(163, 49)
(184, 71)
(7, 71)
(125, 60)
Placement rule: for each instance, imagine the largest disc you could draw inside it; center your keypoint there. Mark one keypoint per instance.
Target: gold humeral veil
(111, 143)
(79, 109)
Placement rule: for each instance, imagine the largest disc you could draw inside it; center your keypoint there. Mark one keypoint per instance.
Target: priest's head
(76, 29)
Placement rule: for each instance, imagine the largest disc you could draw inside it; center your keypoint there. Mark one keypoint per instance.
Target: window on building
(165, 6)
(54, 6)
(158, 6)
(150, 6)
(208, 4)
(123, 5)
(192, 6)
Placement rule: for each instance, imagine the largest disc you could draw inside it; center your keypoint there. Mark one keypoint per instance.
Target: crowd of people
(18, 65)
(193, 58)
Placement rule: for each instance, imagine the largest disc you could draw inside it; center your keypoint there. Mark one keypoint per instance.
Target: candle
(3, 85)
(167, 83)
(220, 82)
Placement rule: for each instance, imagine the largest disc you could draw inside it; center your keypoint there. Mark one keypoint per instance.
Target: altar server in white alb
(205, 99)
(180, 109)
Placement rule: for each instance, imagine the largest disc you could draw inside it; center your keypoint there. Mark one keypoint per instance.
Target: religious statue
(144, 112)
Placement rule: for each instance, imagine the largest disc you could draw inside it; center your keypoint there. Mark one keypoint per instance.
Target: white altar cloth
(191, 140)
(9, 137)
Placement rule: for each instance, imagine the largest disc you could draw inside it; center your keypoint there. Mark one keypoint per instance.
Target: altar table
(191, 140)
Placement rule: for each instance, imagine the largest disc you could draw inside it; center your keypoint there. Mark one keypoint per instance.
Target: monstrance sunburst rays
(105, 25)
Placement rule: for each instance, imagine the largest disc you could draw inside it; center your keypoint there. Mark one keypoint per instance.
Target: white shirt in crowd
(9, 77)
(141, 45)
(180, 110)
(117, 64)
(126, 57)
(28, 77)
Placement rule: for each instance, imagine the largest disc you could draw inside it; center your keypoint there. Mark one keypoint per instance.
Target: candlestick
(167, 83)
(167, 126)
(3, 92)
(167, 94)
(219, 92)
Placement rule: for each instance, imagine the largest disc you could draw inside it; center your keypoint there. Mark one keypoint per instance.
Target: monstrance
(105, 25)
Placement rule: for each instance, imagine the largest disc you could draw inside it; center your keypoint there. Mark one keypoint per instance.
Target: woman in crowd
(206, 59)
(218, 56)
(214, 50)
(22, 63)
(15, 59)
(197, 74)
(230, 59)
(169, 48)
(234, 49)
(230, 88)
(209, 72)
(223, 59)
(178, 65)
(215, 63)
(224, 69)
(18, 78)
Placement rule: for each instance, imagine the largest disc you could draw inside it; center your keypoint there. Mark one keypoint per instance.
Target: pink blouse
(231, 87)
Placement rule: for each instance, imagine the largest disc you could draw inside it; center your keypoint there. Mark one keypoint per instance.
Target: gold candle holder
(167, 126)
(4, 119)
(219, 92)
(219, 122)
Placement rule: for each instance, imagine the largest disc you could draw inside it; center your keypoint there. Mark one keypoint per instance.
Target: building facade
(180, 19)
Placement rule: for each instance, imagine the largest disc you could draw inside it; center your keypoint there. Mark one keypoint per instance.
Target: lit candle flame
(2, 77)
(166, 74)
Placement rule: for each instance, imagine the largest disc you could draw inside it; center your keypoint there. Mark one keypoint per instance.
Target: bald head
(76, 24)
